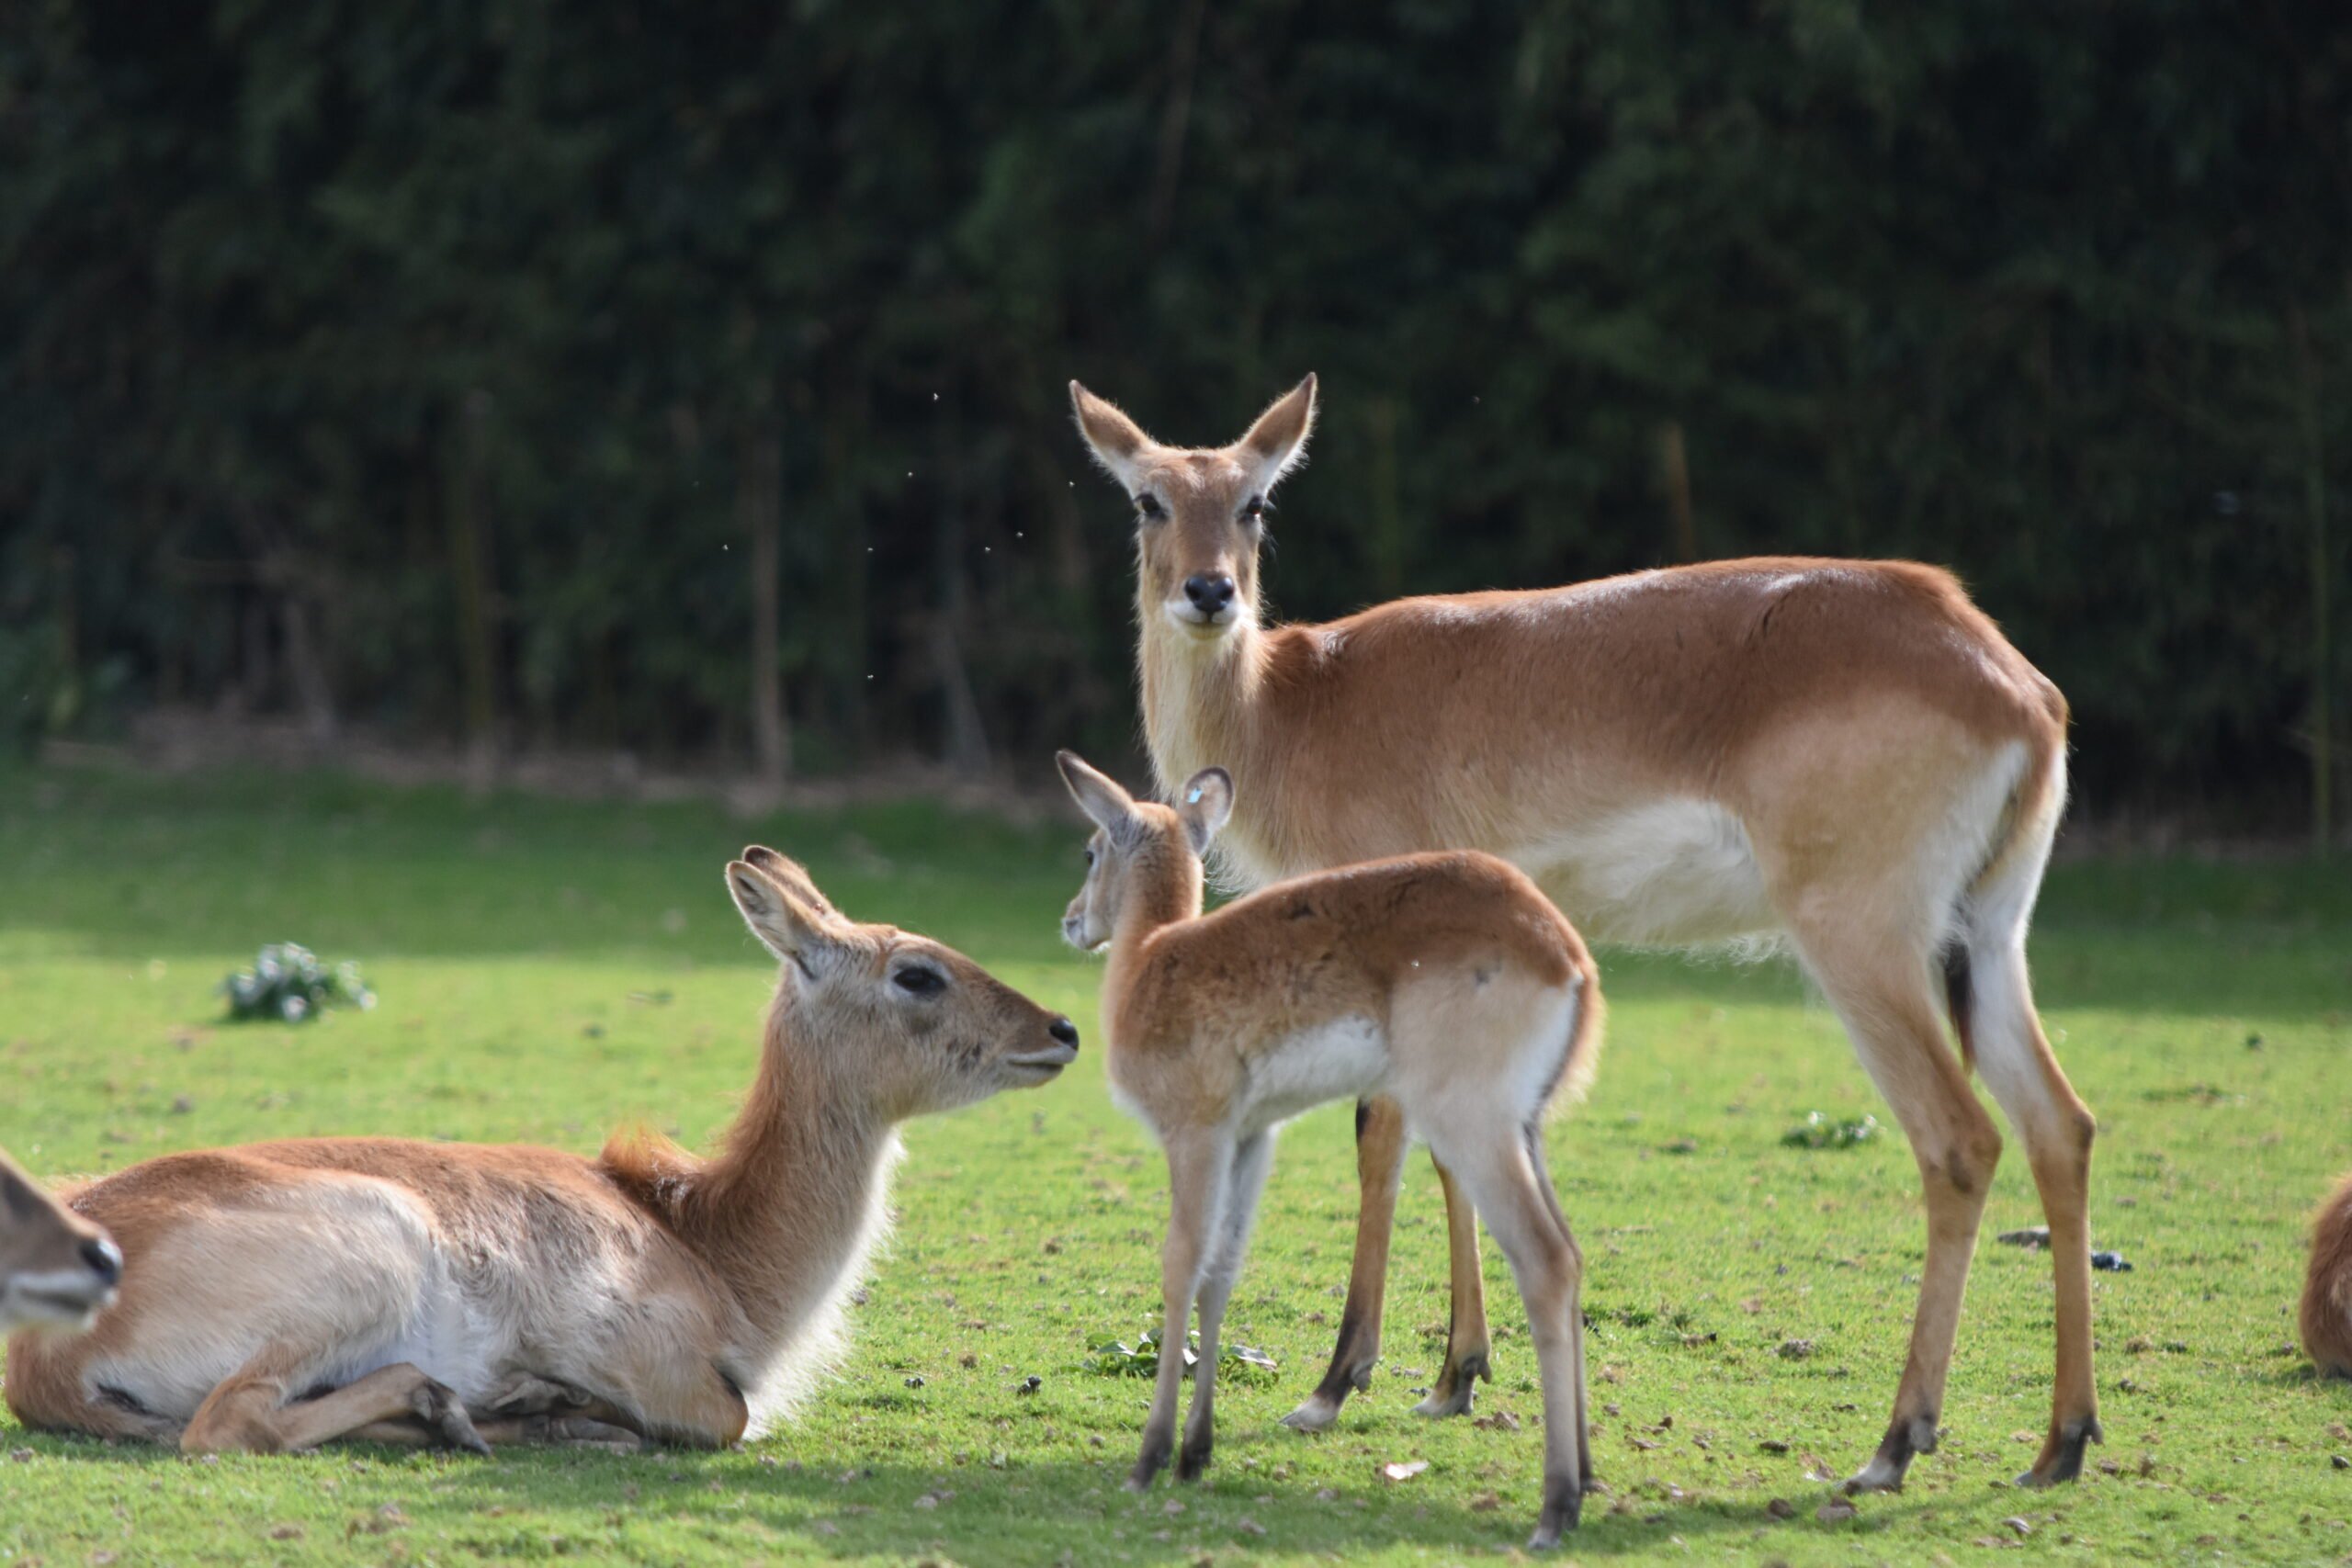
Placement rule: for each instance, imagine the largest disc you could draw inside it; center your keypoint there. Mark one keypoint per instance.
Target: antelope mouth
(1050, 1061)
(63, 1304)
(1204, 625)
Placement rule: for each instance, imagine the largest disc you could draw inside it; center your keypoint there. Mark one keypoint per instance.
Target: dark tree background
(689, 378)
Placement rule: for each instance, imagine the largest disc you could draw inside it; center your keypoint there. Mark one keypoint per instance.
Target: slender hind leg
(1576, 1318)
(1198, 1165)
(1380, 1165)
(1245, 1181)
(1879, 984)
(1465, 1329)
(1508, 1187)
(250, 1412)
(558, 1432)
(2057, 1128)
(531, 1409)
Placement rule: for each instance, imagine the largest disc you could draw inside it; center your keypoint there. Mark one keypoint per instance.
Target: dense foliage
(464, 368)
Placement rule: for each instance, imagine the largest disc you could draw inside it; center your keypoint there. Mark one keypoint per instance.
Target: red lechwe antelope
(1444, 982)
(57, 1269)
(1845, 755)
(2327, 1287)
(282, 1295)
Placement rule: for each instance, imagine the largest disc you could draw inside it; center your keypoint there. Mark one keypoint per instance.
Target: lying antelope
(57, 1269)
(1444, 982)
(2327, 1287)
(283, 1295)
(1845, 755)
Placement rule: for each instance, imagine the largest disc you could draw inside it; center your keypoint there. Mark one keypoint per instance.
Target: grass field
(547, 970)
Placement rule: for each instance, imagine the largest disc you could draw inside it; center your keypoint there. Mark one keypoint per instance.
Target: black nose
(1209, 594)
(103, 1259)
(1064, 1030)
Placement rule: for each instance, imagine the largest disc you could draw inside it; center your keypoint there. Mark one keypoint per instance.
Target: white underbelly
(447, 1336)
(1344, 1059)
(1672, 873)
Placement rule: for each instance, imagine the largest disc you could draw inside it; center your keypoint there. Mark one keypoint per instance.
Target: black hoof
(1149, 1464)
(1193, 1458)
(438, 1407)
(1905, 1438)
(1322, 1407)
(2062, 1455)
(1563, 1508)
(1456, 1388)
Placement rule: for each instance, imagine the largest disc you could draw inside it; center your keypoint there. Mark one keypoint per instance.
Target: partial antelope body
(1844, 755)
(2327, 1287)
(1444, 982)
(282, 1295)
(57, 1269)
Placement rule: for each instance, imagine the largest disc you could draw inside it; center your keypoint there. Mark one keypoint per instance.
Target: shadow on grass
(532, 1502)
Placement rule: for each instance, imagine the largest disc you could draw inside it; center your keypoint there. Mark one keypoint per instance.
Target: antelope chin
(1201, 627)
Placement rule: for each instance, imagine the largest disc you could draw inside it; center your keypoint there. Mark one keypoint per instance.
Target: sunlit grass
(547, 970)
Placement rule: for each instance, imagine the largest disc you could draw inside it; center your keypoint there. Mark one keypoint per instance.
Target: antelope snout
(1053, 1058)
(1210, 593)
(105, 1259)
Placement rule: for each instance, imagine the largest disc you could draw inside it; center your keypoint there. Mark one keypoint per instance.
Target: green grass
(547, 970)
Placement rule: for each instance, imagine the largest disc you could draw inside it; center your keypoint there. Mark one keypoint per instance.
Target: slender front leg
(1380, 1165)
(1198, 1162)
(249, 1412)
(1465, 1334)
(1245, 1181)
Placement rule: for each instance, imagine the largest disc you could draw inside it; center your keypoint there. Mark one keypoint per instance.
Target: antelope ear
(1112, 808)
(1204, 804)
(793, 877)
(1117, 443)
(1277, 443)
(784, 925)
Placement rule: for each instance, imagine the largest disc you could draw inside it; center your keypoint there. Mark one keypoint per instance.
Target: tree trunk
(2307, 406)
(470, 573)
(1674, 471)
(968, 742)
(1386, 540)
(1175, 115)
(306, 668)
(759, 508)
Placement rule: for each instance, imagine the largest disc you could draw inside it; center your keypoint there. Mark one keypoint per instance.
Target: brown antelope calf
(283, 1295)
(57, 1269)
(2327, 1287)
(1845, 755)
(1444, 982)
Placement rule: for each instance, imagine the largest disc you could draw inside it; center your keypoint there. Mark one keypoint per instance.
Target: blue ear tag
(1194, 798)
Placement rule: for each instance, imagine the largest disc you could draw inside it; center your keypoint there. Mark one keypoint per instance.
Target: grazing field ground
(547, 970)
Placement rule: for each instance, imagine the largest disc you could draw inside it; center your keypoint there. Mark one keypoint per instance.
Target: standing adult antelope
(1845, 754)
(57, 1269)
(283, 1295)
(1444, 982)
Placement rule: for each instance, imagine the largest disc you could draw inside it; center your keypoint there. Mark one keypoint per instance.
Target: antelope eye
(918, 981)
(1089, 854)
(1253, 511)
(1148, 505)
